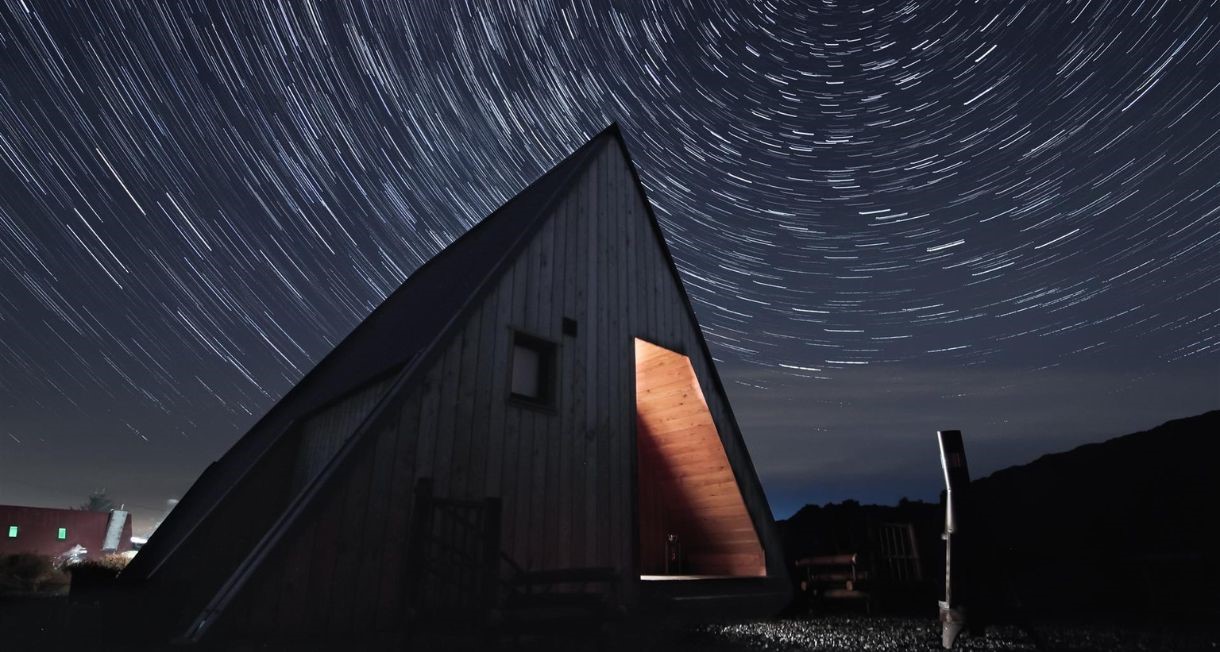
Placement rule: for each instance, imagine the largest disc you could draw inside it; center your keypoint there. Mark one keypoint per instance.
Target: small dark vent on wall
(569, 326)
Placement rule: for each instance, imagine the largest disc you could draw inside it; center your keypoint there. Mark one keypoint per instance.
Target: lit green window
(12, 531)
(62, 534)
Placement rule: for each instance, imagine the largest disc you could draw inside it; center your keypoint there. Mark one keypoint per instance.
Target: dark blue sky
(892, 217)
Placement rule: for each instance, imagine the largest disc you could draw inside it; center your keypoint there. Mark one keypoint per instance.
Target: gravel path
(835, 633)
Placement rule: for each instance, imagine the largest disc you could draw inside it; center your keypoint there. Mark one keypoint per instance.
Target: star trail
(1016, 204)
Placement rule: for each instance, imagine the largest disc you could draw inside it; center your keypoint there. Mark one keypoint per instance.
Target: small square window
(533, 370)
(62, 533)
(12, 531)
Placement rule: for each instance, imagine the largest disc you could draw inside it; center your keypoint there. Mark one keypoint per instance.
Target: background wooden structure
(38, 530)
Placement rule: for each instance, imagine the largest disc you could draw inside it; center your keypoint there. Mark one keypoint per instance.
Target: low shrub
(29, 573)
(96, 572)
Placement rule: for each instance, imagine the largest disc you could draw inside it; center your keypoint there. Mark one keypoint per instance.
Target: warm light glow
(687, 486)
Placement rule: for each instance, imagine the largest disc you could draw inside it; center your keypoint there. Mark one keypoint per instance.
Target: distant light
(139, 541)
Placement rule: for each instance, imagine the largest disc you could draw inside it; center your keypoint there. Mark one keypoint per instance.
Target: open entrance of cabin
(693, 522)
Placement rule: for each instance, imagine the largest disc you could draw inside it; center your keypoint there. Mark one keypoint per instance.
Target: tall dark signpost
(957, 486)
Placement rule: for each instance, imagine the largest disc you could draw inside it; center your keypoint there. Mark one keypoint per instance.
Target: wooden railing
(896, 556)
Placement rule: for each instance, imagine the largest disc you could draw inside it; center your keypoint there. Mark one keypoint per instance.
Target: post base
(952, 621)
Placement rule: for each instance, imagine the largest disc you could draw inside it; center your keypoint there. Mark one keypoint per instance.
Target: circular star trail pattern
(200, 199)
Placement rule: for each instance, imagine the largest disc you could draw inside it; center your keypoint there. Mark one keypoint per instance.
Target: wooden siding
(565, 475)
(687, 487)
(322, 434)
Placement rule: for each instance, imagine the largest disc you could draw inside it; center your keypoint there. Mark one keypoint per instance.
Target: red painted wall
(38, 528)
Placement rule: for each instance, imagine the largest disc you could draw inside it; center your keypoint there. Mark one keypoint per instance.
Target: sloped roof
(400, 333)
(407, 322)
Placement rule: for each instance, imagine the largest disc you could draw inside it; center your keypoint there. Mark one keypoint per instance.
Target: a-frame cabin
(550, 360)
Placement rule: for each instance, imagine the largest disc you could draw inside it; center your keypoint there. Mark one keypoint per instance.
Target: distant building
(53, 532)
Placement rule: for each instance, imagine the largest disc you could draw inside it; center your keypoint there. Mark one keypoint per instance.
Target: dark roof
(415, 314)
(406, 323)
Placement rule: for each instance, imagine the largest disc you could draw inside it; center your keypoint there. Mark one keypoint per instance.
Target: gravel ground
(834, 633)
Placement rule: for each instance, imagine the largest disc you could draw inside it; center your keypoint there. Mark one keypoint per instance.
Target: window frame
(61, 534)
(548, 370)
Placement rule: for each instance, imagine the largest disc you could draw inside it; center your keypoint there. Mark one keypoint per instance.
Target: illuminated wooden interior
(686, 485)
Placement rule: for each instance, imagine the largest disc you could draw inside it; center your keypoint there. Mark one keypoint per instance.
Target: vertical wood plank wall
(322, 434)
(687, 485)
(565, 476)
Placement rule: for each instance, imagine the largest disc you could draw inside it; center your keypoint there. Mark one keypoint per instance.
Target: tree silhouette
(98, 502)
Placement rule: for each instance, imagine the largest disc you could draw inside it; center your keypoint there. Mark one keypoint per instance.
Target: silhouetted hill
(1152, 492)
(1122, 527)
(1125, 526)
(837, 528)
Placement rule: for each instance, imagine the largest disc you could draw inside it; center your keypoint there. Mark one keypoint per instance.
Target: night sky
(892, 217)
